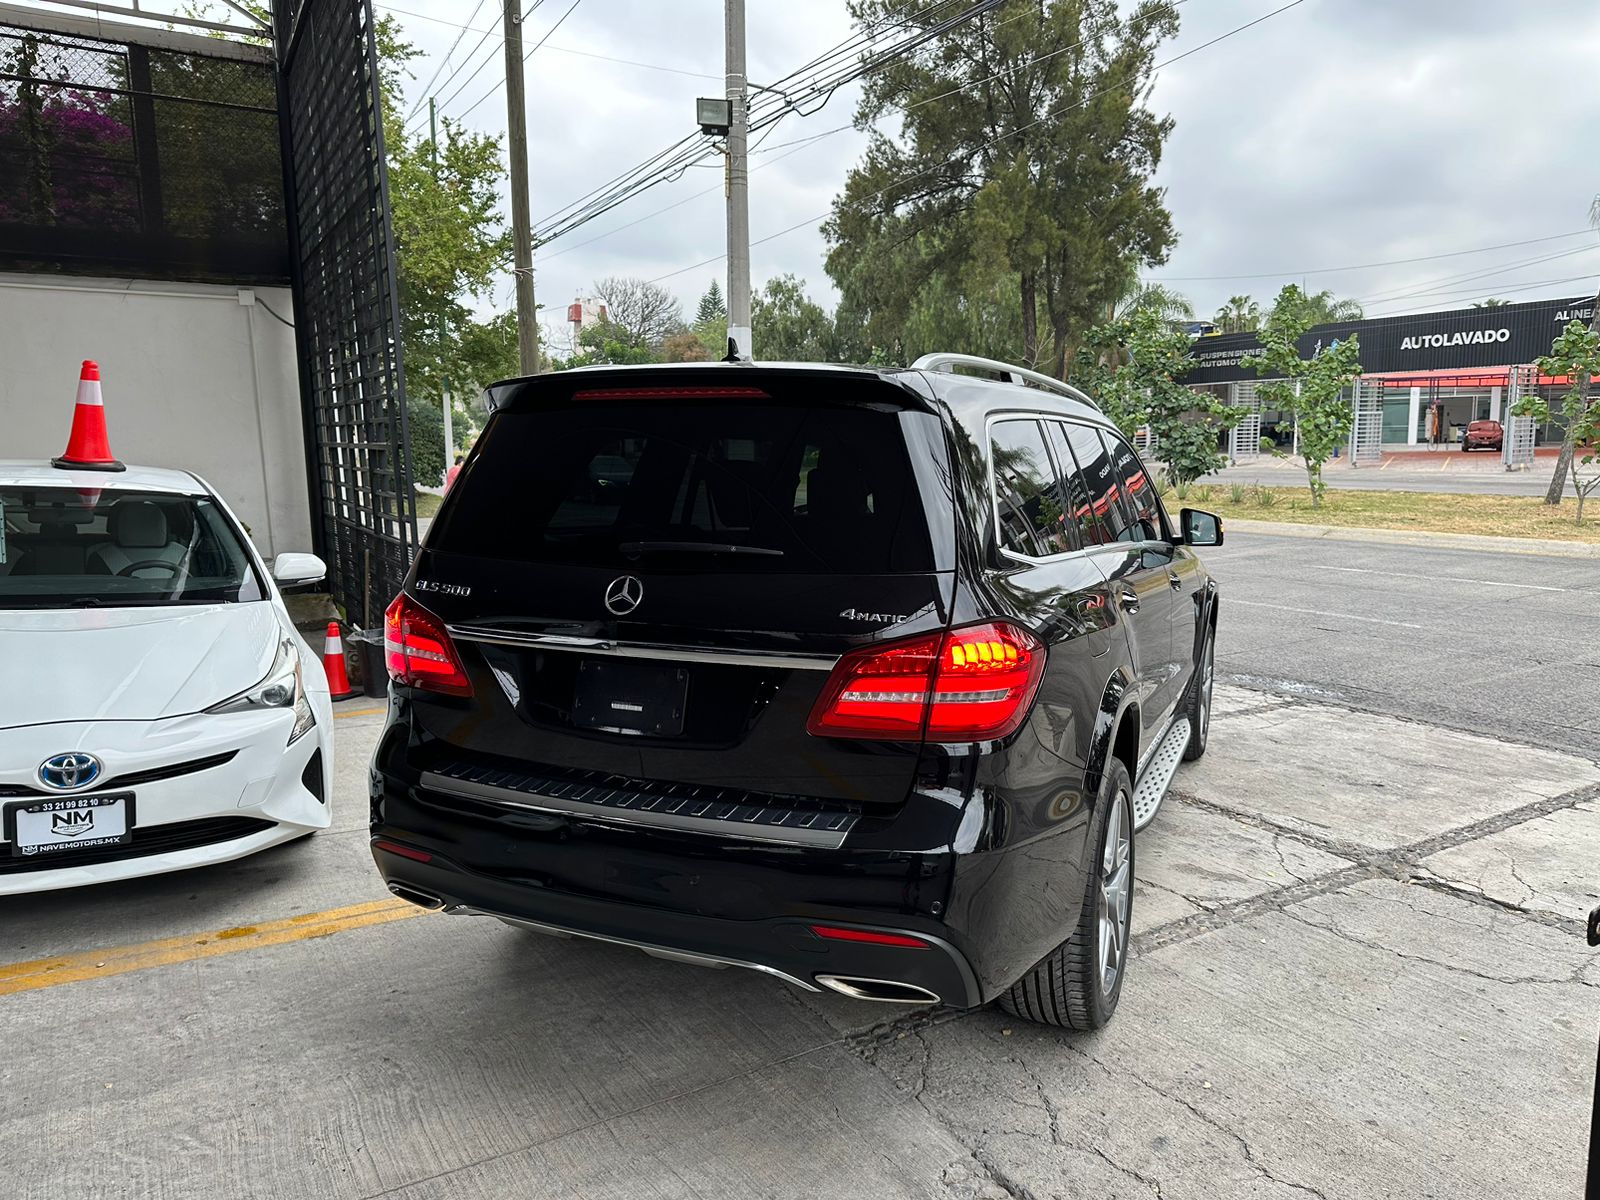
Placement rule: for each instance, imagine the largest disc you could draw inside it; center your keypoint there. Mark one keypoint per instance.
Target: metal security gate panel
(346, 302)
(1516, 443)
(1366, 436)
(1244, 442)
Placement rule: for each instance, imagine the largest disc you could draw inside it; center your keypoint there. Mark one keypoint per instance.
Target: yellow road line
(360, 712)
(119, 960)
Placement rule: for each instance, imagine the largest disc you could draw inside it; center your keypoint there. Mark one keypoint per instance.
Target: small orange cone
(333, 663)
(88, 449)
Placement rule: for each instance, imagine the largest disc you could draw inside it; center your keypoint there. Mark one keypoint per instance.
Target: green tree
(450, 240)
(1311, 388)
(1009, 163)
(1490, 302)
(711, 305)
(787, 325)
(1575, 356)
(1240, 314)
(1141, 389)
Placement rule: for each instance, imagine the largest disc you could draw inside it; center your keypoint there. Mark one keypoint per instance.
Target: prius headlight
(281, 688)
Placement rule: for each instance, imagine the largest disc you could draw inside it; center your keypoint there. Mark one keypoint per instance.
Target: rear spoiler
(732, 381)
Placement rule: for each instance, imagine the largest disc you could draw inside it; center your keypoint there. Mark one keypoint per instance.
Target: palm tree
(1491, 302)
(1168, 304)
(1239, 315)
(1324, 309)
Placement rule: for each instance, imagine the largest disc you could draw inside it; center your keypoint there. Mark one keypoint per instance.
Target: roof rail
(1013, 373)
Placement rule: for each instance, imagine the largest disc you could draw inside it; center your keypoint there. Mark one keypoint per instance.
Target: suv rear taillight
(418, 651)
(969, 684)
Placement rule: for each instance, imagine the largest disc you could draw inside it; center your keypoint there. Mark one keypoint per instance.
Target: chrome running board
(683, 956)
(1158, 773)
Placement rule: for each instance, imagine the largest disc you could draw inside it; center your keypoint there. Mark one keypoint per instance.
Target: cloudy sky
(1336, 134)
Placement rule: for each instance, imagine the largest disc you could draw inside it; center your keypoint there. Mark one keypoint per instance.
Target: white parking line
(1317, 612)
(1532, 587)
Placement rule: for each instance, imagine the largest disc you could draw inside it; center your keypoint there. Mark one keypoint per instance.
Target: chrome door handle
(1129, 600)
(1172, 578)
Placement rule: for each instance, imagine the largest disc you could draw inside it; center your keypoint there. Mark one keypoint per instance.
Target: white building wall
(195, 376)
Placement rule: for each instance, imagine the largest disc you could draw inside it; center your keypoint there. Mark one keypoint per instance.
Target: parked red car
(1482, 435)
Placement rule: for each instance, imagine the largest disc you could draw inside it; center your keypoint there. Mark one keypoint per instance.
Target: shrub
(1236, 493)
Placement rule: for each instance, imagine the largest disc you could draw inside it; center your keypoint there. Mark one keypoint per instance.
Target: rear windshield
(746, 486)
(66, 547)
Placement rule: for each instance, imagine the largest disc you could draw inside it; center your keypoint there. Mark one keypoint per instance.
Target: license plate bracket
(45, 825)
(631, 697)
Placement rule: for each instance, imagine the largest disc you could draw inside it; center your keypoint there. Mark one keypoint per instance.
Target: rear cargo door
(653, 583)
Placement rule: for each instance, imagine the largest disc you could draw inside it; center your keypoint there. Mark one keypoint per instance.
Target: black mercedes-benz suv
(861, 678)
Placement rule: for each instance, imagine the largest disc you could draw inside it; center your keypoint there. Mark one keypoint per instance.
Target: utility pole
(521, 234)
(738, 184)
(444, 376)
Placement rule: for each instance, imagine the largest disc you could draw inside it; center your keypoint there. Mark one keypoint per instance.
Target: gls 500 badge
(443, 589)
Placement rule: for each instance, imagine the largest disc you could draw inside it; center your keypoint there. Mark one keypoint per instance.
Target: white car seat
(138, 530)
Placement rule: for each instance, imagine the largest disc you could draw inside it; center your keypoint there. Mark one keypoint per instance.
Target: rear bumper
(784, 947)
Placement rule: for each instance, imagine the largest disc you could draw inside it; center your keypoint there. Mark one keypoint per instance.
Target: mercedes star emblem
(623, 595)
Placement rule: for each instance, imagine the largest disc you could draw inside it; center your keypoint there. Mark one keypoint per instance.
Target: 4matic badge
(855, 614)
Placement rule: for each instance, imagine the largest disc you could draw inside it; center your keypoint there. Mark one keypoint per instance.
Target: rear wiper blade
(696, 548)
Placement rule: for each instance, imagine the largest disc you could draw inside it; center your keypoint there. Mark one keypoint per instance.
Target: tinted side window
(1100, 480)
(1139, 490)
(1079, 506)
(1027, 493)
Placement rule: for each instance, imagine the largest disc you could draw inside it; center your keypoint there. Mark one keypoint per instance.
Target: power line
(525, 58)
(1521, 287)
(443, 63)
(1449, 282)
(669, 164)
(1012, 133)
(1393, 262)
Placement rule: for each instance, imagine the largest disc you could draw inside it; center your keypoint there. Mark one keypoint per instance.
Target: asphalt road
(1500, 644)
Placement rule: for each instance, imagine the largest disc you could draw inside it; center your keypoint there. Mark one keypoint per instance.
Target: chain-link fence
(121, 158)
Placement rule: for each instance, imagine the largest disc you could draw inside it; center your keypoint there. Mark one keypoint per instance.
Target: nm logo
(74, 823)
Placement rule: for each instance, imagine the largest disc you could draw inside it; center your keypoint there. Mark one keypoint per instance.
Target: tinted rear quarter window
(1099, 476)
(799, 488)
(1138, 489)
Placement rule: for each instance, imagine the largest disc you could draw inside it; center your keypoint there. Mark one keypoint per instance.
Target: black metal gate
(347, 307)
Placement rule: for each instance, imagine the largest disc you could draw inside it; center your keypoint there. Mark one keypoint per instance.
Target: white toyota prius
(157, 708)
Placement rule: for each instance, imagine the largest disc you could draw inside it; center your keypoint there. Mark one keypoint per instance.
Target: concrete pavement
(1477, 473)
(1359, 973)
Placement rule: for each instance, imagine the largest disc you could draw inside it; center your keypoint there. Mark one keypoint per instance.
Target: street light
(714, 114)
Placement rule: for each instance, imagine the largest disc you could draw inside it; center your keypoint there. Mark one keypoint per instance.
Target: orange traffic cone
(333, 663)
(88, 449)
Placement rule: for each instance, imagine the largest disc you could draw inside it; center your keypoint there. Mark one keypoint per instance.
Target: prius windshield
(63, 547)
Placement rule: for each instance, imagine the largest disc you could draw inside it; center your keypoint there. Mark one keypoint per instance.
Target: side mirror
(1201, 528)
(294, 570)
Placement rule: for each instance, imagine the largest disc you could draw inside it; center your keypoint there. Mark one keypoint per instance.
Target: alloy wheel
(1116, 889)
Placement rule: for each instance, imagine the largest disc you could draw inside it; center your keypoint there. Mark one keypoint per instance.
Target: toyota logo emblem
(66, 772)
(623, 595)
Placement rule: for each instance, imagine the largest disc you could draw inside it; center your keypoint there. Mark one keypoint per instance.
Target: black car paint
(982, 846)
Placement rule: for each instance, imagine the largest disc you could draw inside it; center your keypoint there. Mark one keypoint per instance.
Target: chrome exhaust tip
(886, 991)
(415, 896)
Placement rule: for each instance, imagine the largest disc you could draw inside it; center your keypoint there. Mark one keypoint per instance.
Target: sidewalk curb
(1409, 537)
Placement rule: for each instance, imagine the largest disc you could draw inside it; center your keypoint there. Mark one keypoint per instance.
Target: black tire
(1198, 705)
(1067, 989)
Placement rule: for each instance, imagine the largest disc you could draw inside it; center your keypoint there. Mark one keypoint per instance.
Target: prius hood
(130, 664)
